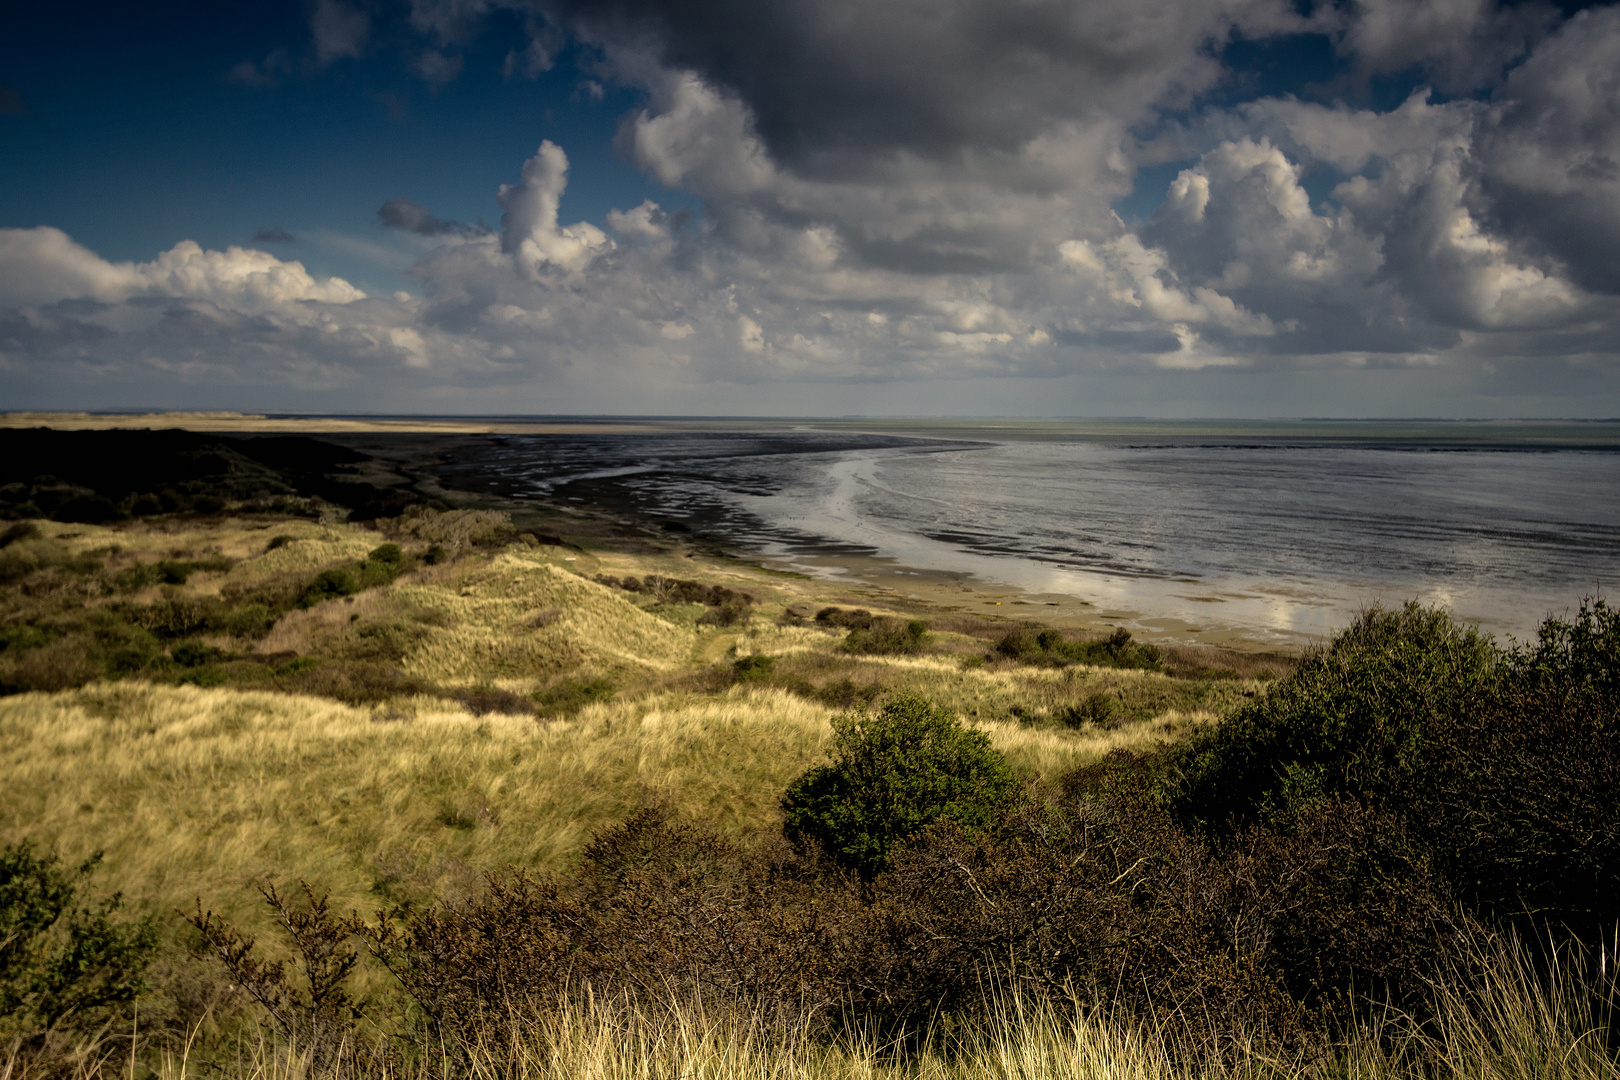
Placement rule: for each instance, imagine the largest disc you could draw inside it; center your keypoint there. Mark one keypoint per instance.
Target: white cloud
(529, 229)
(43, 265)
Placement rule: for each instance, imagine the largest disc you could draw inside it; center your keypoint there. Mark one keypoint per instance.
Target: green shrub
(752, 668)
(890, 775)
(1050, 648)
(64, 963)
(1360, 719)
(569, 696)
(1517, 798)
(328, 585)
(888, 637)
(388, 554)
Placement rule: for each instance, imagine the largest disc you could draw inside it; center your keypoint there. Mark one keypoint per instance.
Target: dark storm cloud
(1551, 150)
(928, 77)
(403, 214)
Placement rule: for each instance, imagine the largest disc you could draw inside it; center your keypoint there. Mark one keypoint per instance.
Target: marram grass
(194, 792)
(1518, 1021)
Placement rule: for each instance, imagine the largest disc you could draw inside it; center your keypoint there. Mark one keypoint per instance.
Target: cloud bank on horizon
(915, 206)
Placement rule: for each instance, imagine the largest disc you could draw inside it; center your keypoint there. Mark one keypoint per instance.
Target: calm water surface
(1272, 537)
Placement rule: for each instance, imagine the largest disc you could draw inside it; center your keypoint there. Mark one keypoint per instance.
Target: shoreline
(618, 527)
(1241, 614)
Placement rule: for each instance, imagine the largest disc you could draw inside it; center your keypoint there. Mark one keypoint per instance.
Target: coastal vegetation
(301, 790)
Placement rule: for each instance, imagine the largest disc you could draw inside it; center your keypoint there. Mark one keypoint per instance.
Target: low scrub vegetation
(433, 802)
(1053, 648)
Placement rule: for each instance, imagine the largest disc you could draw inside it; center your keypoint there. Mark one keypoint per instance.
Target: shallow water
(1276, 537)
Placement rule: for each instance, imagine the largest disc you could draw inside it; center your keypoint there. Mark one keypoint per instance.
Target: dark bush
(58, 664)
(727, 613)
(143, 505)
(483, 699)
(356, 682)
(754, 667)
(891, 774)
(848, 694)
(858, 619)
(1517, 796)
(570, 695)
(888, 637)
(1051, 648)
(387, 554)
(1101, 894)
(178, 614)
(1099, 709)
(1502, 766)
(730, 606)
(328, 585)
(87, 509)
(22, 530)
(435, 554)
(248, 621)
(194, 653)
(655, 907)
(311, 1007)
(1360, 719)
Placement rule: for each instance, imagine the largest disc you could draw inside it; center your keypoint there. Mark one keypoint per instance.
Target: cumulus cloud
(895, 199)
(529, 229)
(43, 265)
(1460, 45)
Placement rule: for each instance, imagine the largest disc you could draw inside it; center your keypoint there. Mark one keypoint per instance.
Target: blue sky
(1183, 207)
(136, 135)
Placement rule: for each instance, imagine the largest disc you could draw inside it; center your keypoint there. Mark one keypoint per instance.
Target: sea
(1274, 532)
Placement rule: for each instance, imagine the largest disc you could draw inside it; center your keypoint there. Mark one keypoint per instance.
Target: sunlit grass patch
(194, 792)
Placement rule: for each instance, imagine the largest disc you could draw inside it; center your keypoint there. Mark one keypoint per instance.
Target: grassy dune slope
(473, 701)
(194, 792)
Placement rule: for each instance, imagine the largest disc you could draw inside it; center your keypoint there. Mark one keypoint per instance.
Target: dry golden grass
(515, 619)
(315, 545)
(1518, 1021)
(196, 792)
(199, 792)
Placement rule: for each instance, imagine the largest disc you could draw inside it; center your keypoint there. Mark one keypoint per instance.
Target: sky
(1163, 208)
